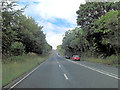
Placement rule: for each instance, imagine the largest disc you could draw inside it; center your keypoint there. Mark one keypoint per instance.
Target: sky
(56, 16)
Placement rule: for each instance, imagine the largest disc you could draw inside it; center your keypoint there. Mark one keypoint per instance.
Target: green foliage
(93, 10)
(75, 42)
(110, 60)
(17, 48)
(97, 35)
(60, 50)
(107, 25)
(20, 32)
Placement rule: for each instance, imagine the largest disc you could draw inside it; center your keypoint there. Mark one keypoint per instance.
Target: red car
(76, 57)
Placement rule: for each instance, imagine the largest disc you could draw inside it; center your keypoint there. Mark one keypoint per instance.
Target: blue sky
(57, 16)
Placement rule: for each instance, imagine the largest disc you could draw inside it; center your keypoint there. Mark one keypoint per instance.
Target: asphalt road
(58, 72)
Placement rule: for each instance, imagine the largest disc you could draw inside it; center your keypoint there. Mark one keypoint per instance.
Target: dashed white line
(58, 55)
(65, 76)
(60, 66)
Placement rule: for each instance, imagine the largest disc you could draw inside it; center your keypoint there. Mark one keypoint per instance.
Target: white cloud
(64, 9)
(49, 10)
(54, 39)
(54, 34)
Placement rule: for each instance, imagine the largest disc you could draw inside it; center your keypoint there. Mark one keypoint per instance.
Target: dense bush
(17, 48)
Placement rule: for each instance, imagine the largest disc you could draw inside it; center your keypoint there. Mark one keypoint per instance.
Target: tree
(93, 10)
(98, 32)
(21, 32)
(88, 14)
(107, 25)
(17, 48)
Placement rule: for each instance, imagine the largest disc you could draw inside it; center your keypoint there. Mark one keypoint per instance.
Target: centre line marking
(59, 66)
(65, 76)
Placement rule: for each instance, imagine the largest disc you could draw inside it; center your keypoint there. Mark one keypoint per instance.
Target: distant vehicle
(67, 57)
(76, 58)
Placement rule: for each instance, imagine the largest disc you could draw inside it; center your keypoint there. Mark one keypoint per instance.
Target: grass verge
(18, 65)
(112, 60)
(61, 51)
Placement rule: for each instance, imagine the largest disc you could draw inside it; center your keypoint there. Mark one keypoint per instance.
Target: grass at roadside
(13, 69)
(112, 60)
(61, 52)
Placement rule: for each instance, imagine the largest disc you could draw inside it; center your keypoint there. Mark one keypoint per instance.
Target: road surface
(58, 72)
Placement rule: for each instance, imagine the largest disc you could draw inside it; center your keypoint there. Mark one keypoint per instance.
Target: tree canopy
(97, 34)
(21, 34)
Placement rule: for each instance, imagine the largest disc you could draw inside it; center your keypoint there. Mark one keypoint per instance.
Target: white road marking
(24, 77)
(58, 54)
(97, 70)
(102, 71)
(65, 76)
(60, 66)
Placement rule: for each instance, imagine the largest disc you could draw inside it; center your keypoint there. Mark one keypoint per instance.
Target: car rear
(76, 58)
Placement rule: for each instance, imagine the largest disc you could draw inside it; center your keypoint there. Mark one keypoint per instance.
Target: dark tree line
(97, 33)
(21, 34)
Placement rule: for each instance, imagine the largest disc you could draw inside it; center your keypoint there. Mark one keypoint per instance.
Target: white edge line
(65, 76)
(94, 69)
(24, 77)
